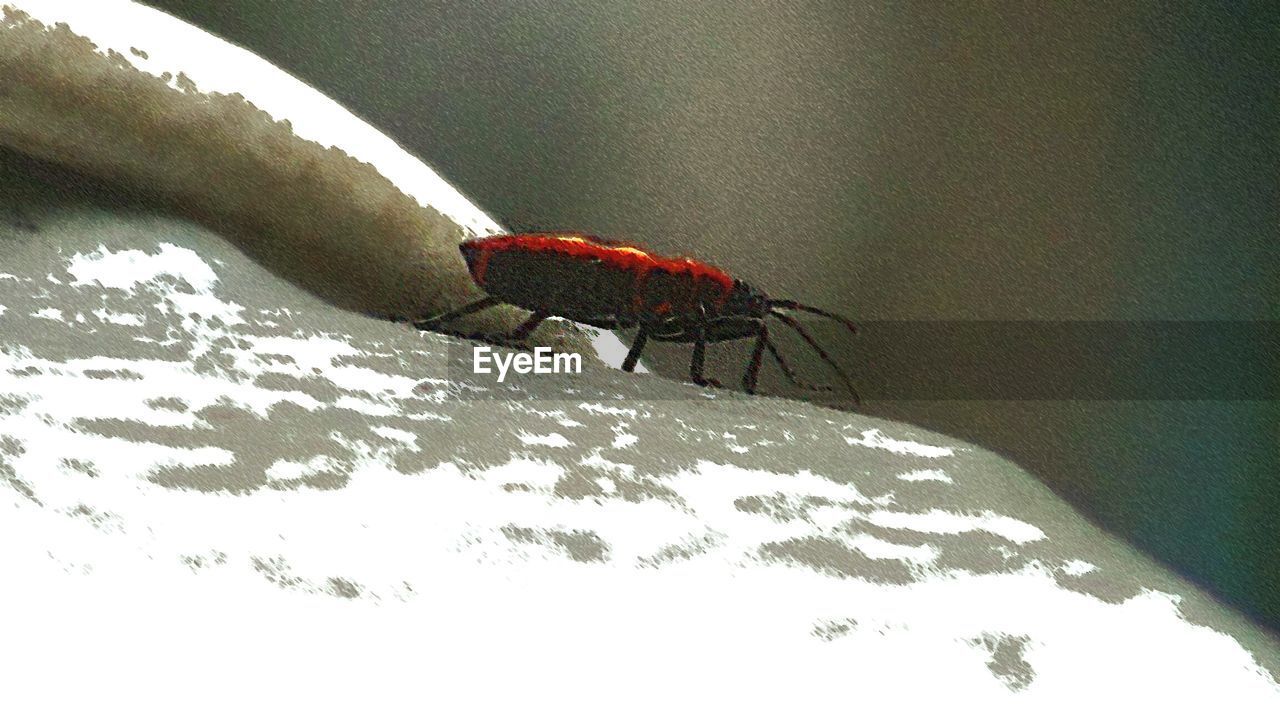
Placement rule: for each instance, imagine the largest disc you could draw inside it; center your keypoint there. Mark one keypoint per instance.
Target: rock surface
(221, 494)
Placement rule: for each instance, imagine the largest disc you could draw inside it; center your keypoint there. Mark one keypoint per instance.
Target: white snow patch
(1077, 567)
(63, 397)
(127, 269)
(931, 474)
(292, 470)
(878, 549)
(596, 460)
(599, 409)
(713, 487)
(536, 473)
(203, 305)
(555, 440)
(949, 523)
(129, 319)
(403, 437)
(878, 440)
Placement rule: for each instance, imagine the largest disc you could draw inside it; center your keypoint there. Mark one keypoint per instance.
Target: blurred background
(915, 162)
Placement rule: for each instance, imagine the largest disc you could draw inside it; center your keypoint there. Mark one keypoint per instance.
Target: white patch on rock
(927, 475)
(877, 439)
(1076, 568)
(940, 521)
(128, 269)
(550, 440)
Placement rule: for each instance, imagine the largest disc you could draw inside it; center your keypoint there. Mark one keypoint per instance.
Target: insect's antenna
(795, 325)
(793, 305)
(791, 375)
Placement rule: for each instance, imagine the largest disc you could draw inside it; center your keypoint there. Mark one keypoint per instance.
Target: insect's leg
(527, 327)
(700, 351)
(791, 374)
(432, 323)
(633, 356)
(826, 357)
(752, 375)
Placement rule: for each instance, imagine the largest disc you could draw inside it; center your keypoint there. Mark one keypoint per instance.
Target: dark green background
(995, 161)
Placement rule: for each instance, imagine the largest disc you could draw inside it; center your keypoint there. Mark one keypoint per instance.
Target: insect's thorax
(745, 301)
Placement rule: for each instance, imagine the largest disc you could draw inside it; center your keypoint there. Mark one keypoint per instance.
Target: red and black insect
(615, 286)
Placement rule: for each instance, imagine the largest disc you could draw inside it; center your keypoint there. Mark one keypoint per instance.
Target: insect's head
(745, 300)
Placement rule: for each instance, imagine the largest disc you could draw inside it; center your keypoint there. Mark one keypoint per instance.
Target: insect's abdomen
(581, 278)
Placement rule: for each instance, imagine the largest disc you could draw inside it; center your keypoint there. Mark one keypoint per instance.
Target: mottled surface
(181, 426)
(221, 495)
(930, 161)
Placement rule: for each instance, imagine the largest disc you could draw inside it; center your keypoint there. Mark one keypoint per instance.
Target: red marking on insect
(617, 286)
(589, 247)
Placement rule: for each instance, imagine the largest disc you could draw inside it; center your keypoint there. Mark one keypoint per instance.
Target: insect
(618, 286)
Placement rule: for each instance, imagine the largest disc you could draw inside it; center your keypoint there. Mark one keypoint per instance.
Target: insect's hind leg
(699, 358)
(433, 323)
(526, 328)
